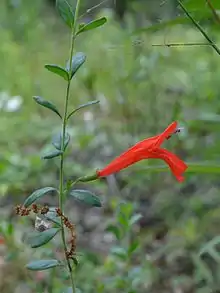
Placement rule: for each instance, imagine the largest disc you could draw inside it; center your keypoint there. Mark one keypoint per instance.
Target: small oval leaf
(38, 239)
(57, 141)
(52, 154)
(82, 106)
(86, 197)
(133, 247)
(77, 61)
(52, 216)
(40, 265)
(46, 104)
(114, 230)
(134, 219)
(76, 261)
(38, 194)
(65, 11)
(92, 25)
(57, 70)
(119, 252)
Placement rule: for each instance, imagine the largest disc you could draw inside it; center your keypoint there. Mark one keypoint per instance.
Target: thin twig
(180, 44)
(200, 28)
(215, 14)
(93, 8)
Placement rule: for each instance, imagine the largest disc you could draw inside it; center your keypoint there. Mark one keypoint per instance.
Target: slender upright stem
(198, 26)
(215, 14)
(64, 125)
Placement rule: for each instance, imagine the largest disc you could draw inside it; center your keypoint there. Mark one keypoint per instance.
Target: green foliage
(86, 197)
(57, 141)
(81, 107)
(57, 70)
(52, 216)
(52, 154)
(199, 7)
(91, 25)
(37, 239)
(47, 104)
(37, 194)
(124, 251)
(77, 61)
(41, 265)
(65, 11)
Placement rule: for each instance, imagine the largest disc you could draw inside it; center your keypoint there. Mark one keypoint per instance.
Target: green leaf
(82, 24)
(124, 212)
(119, 252)
(38, 239)
(10, 229)
(200, 9)
(86, 197)
(123, 220)
(133, 247)
(203, 272)
(37, 194)
(92, 25)
(52, 154)
(57, 70)
(65, 11)
(210, 245)
(114, 230)
(52, 216)
(46, 104)
(75, 260)
(40, 265)
(77, 61)
(134, 219)
(82, 106)
(57, 141)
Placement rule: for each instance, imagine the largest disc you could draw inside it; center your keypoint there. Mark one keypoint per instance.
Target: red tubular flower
(148, 148)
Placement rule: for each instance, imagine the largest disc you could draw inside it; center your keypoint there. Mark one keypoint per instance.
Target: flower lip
(178, 130)
(168, 132)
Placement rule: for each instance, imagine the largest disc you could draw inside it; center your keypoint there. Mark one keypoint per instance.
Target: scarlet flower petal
(167, 132)
(146, 149)
(177, 166)
(118, 164)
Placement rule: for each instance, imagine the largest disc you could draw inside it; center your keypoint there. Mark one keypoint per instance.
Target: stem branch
(199, 28)
(215, 14)
(64, 126)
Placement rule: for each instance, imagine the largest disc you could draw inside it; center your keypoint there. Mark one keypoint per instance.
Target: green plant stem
(215, 14)
(51, 284)
(199, 28)
(180, 44)
(64, 125)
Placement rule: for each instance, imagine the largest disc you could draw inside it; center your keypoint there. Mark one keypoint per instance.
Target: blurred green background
(141, 88)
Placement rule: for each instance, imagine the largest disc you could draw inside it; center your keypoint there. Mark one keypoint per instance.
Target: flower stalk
(64, 126)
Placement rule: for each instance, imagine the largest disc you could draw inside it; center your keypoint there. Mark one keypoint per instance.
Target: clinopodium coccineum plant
(146, 149)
